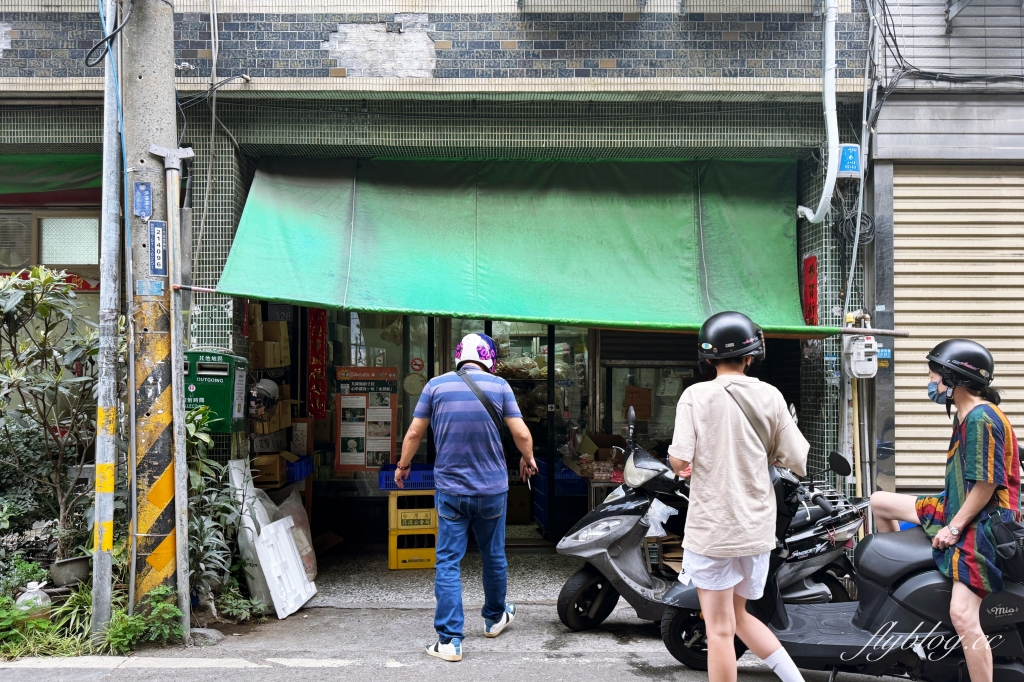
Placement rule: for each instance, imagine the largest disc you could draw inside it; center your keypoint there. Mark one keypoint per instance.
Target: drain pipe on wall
(828, 98)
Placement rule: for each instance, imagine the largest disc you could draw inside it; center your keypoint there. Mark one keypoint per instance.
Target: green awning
(628, 244)
(33, 173)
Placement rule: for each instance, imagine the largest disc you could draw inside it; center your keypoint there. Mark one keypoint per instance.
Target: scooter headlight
(635, 476)
(596, 530)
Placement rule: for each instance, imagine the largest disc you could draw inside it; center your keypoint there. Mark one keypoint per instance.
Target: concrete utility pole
(150, 119)
(106, 403)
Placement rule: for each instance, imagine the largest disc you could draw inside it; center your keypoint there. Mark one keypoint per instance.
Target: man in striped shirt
(471, 477)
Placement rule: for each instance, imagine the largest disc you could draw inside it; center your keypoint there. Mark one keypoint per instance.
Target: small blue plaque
(149, 287)
(143, 204)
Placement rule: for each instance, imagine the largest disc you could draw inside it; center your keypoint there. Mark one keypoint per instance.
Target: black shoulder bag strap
(484, 400)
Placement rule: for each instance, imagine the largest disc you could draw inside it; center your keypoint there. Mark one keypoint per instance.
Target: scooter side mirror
(838, 464)
(631, 419)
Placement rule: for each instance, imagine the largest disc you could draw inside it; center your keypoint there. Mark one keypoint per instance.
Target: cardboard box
(279, 420)
(269, 471)
(519, 505)
(266, 355)
(255, 320)
(278, 331)
(272, 442)
(600, 446)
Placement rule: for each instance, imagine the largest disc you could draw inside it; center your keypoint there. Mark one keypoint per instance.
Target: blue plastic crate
(299, 470)
(567, 482)
(421, 477)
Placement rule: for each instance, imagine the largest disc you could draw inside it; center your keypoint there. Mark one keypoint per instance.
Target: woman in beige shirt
(727, 432)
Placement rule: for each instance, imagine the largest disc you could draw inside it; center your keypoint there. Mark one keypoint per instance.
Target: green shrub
(158, 620)
(233, 604)
(17, 573)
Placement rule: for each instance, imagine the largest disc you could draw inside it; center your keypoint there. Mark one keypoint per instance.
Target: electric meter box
(860, 356)
(217, 379)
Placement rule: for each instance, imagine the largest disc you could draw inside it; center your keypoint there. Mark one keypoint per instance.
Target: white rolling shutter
(959, 273)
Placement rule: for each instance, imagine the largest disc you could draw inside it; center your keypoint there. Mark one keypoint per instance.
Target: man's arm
(410, 444)
(524, 443)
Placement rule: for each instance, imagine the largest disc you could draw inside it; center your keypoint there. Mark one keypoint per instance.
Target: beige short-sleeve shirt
(732, 503)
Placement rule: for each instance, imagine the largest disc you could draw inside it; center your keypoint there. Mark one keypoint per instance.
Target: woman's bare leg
(720, 625)
(965, 612)
(891, 508)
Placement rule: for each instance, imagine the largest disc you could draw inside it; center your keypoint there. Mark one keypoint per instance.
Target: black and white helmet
(729, 335)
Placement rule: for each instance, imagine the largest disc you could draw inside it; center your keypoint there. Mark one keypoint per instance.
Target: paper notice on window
(353, 450)
(358, 430)
(378, 414)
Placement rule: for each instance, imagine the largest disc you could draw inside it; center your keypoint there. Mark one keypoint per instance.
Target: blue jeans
(456, 515)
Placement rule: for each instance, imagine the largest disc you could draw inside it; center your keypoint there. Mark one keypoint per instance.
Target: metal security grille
(214, 220)
(820, 374)
(51, 129)
(525, 129)
(958, 272)
(15, 240)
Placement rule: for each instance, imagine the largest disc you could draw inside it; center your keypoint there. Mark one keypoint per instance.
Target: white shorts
(745, 574)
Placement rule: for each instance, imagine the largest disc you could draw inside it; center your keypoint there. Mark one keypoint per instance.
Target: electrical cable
(106, 40)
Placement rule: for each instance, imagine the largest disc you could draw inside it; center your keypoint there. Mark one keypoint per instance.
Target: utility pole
(106, 403)
(150, 119)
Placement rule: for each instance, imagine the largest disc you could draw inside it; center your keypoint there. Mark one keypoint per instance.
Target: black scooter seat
(884, 558)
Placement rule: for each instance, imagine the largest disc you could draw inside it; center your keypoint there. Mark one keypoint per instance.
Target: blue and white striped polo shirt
(470, 457)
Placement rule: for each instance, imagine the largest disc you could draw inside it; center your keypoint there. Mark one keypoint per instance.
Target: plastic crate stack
(567, 484)
(412, 518)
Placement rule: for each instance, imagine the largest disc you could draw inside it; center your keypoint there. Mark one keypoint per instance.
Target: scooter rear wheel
(686, 639)
(586, 599)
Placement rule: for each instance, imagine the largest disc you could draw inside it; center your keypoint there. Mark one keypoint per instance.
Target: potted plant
(48, 424)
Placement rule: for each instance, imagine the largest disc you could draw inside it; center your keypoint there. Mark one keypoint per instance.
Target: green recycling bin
(217, 379)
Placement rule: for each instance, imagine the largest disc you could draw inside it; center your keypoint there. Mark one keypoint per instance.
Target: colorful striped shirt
(470, 454)
(983, 448)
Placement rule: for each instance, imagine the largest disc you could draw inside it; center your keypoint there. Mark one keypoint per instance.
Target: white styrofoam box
(282, 566)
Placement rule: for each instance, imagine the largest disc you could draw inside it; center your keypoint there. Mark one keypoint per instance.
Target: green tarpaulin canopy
(644, 245)
(31, 173)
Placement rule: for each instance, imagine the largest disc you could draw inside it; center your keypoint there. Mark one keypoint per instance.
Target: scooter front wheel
(586, 599)
(686, 638)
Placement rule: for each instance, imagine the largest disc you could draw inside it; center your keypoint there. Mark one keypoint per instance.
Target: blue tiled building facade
(603, 45)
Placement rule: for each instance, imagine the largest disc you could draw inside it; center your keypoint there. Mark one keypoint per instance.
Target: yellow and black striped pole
(151, 118)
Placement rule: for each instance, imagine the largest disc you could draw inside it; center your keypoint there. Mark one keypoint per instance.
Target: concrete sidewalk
(387, 644)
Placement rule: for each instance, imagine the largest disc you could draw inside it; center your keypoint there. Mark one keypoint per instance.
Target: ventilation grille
(15, 241)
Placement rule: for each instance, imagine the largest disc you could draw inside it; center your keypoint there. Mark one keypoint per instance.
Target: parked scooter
(611, 539)
(899, 626)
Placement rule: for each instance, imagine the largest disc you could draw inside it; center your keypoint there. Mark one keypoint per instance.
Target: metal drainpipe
(828, 98)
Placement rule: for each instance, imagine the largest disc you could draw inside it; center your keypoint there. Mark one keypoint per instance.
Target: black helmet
(962, 362)
(729, 335)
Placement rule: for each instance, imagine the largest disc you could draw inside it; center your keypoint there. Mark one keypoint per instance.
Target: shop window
(653, 392)
(70, 240)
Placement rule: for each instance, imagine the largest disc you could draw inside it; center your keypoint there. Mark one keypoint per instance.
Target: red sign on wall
(317, 397)
(810, 290)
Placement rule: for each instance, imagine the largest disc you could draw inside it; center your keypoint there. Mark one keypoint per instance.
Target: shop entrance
(593, 277)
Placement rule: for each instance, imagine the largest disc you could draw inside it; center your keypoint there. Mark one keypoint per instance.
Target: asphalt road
(387, 644)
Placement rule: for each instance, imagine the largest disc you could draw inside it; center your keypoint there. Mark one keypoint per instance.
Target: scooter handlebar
(820, 500)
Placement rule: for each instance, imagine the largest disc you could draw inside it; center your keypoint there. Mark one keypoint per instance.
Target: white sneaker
(452, 651)
(494, 628)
